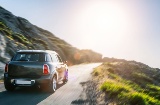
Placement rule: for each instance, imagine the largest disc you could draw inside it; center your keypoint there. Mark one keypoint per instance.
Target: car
(41, 68)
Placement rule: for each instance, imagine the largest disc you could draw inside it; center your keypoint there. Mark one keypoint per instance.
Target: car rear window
(39, 57)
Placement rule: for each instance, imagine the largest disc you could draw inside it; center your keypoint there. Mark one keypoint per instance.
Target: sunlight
(103, 21)
(107, 18)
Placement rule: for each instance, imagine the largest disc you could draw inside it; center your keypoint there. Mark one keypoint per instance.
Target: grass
(5, 29)
(96, 71)
(20, 38)
(114, 88)
(128, 87)
(41, 42)
(153, 91)
(125, 91)
(142, 77)
(23, 42)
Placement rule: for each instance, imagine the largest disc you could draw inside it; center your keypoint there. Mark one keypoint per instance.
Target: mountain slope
(17, 33)
(121, 82)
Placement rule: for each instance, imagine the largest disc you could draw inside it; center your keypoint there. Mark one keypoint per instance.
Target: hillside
(121, 82)
(17, 33)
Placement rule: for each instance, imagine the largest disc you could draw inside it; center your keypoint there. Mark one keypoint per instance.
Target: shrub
(113, 76)
(4, 28)
(124, 91)
(96, 72)
(111, 70)
(129, 84)
(153, 90)
(141, 78)
(137, 99)
(114, 88)
(20, 38)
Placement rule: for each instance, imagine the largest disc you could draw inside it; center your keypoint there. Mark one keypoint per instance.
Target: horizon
(119, 28)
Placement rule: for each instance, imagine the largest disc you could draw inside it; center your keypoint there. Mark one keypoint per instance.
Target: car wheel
(53, 85)
(8, 85)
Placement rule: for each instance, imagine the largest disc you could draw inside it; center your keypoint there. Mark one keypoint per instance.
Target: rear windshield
(39, 57)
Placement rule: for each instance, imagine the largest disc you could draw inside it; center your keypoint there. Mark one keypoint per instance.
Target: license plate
(23, 82)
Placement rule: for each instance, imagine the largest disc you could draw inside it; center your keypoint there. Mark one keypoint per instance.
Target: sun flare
(107, 18)
(103, 21)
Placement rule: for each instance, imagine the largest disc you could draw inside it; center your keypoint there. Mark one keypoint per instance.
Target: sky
(125, 29)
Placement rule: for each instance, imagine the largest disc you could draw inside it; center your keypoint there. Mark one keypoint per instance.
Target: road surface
(2, 66)
(64, 95)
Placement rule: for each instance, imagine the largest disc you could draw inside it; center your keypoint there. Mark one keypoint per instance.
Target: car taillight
(6, 68)
(45, 69)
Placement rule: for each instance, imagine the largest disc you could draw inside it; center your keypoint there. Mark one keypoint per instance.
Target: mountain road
(64, 95)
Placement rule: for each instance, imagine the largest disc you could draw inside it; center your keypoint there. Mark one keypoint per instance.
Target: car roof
(37, 51)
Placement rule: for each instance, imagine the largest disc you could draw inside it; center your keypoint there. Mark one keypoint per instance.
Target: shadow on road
(23, 96)
(89, 95)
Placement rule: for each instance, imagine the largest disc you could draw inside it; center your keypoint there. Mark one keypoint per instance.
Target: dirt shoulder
(91, 95)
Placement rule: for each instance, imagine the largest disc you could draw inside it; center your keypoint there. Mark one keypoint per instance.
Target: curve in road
(63, 96)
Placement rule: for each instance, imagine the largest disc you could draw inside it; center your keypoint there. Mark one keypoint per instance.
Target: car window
(48, 58)
(59, 58)
(29, 57)
(54, 58)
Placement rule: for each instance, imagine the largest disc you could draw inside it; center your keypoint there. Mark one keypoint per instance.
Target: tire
(53, 85)
(8, 85)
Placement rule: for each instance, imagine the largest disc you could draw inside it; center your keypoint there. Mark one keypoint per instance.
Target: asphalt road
(2, 66)
(64, 95)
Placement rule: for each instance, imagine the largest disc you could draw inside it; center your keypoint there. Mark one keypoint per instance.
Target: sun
(106, 18)
(103, 22)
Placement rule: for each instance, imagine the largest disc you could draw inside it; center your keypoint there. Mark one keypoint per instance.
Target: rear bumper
(43, 80)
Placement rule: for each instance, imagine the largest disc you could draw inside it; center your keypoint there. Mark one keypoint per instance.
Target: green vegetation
(129, 82)
(20, 38)
(142, 77)
(4, 29)
(17, 38)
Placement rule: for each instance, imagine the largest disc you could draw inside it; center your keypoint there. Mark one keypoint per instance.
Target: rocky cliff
(17, 33)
